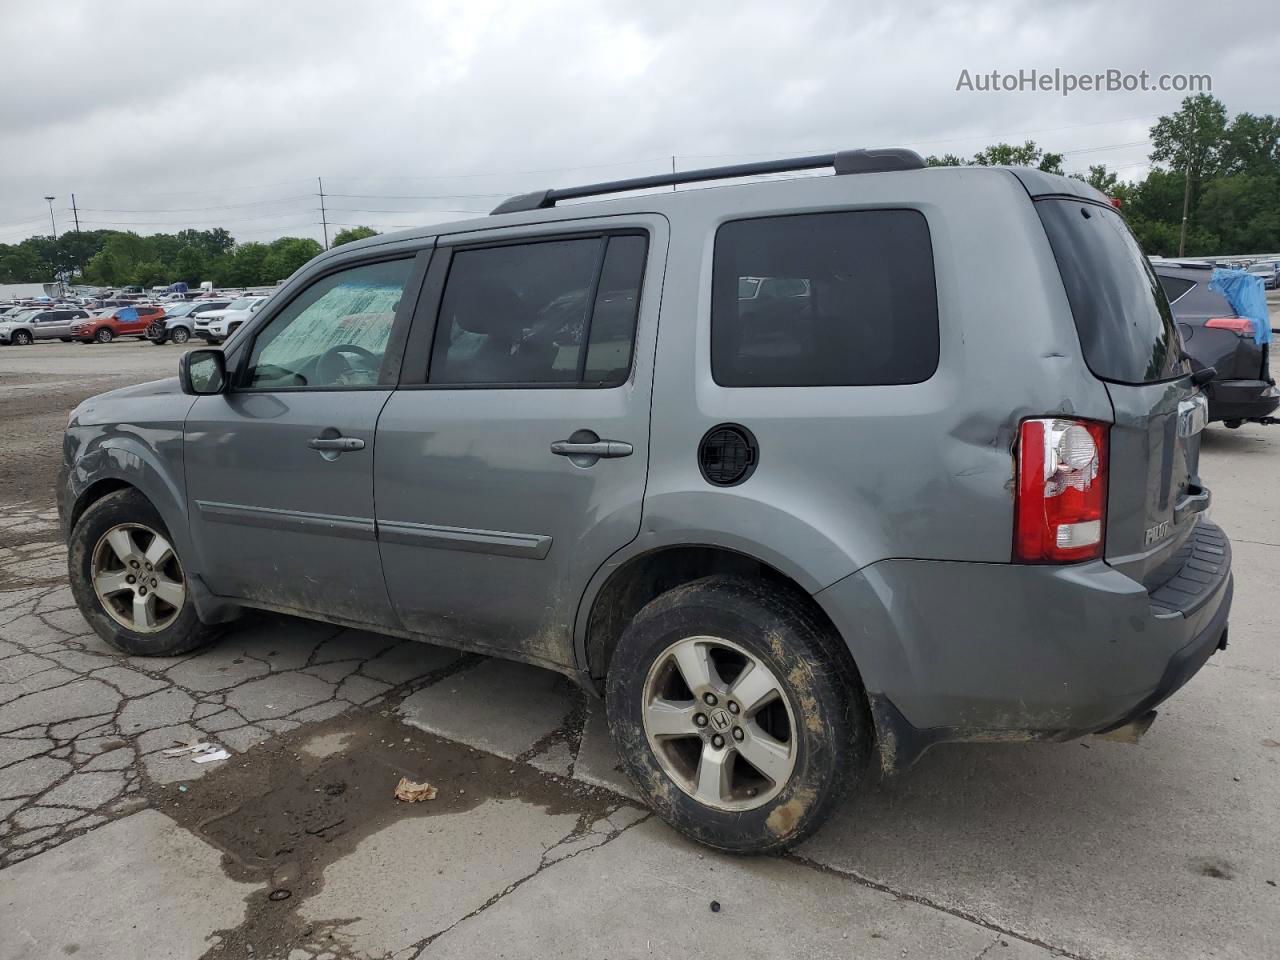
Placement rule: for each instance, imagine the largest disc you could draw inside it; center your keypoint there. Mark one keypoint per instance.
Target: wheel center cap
(720, 720)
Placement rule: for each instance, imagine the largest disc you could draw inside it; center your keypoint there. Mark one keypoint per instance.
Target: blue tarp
(1247, 297)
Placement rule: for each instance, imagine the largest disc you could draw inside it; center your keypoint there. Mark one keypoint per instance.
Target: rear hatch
(1131, 343)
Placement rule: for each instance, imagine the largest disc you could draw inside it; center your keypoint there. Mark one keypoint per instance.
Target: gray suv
(942, 487)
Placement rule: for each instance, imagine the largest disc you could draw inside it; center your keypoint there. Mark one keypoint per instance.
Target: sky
(162, 115)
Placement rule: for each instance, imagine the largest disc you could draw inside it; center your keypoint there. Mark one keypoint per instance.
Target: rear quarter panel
(848, 476)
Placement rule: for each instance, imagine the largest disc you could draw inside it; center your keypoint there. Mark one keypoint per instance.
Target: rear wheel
(738, 715)
(128, 579)
(104, 335)
(21, 338)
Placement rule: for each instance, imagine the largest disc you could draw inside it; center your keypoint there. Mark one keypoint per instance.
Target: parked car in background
(1269, 271)
(214, 326)
(1242, 387)
(178, 322)
(105, 325)
(785, 553)
(31, 325)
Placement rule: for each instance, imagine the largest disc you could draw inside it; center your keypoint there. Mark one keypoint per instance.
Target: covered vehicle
(106, 325)
(1216, 334)
(178, 321)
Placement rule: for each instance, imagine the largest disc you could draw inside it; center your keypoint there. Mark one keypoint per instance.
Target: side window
(828, 299)
(333, 334)
(1174, 287)
(554, 311)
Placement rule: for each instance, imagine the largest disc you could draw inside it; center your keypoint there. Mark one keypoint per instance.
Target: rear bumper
(974, 651)
(1241, 399)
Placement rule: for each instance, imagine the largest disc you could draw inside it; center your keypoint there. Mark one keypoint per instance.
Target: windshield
(244, 303)
(180, 309)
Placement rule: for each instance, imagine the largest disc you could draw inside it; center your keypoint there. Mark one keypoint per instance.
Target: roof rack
(844, 162)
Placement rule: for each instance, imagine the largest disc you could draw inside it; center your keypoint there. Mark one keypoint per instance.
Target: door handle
(337, 444)
(607, 449)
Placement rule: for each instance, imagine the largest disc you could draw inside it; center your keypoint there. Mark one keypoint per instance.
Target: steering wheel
(333, 367)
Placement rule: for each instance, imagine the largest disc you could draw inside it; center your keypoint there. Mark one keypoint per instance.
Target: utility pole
(324, 221)
(75, 213)
(673, 171)
(52, 222)
(1186, 187)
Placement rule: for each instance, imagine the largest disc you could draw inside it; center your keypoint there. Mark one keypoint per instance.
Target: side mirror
(203, 372)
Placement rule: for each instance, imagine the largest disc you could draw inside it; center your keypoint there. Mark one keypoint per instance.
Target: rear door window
(522, 313)
(1121, 312)
(828, 299)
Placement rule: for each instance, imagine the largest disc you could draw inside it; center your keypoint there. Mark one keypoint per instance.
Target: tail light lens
(1242, 326)
(1060, 510)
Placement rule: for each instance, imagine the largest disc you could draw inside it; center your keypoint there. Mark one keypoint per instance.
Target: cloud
(150, 112)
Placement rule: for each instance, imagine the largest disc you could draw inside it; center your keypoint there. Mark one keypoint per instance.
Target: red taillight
(1242, 326)
(1060, 511)
(1116, 202)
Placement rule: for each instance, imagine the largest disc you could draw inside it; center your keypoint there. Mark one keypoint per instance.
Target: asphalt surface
(295, 847)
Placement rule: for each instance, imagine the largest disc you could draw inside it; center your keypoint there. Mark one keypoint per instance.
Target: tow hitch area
(1132, 731)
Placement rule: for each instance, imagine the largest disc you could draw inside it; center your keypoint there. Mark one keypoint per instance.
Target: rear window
(828, 299)
(1121, 312)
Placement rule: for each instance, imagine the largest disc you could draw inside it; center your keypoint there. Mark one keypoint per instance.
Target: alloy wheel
(137, 578)
(719, 723)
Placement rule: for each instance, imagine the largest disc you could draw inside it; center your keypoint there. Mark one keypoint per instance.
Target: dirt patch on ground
(288, 808)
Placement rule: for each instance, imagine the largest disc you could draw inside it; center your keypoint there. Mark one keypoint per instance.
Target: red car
(105, 326)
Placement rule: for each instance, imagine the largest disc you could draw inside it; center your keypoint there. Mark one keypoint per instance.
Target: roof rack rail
(844, 162)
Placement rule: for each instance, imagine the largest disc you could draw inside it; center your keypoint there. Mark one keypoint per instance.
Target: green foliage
(353, 233)
(1100, 178)
(113, 258)
(1026, 155)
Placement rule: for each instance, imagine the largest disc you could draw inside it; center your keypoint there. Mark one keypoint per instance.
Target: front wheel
(180, 335)
(104, 335)
(739, 716)
(129, 581)
(21, 338)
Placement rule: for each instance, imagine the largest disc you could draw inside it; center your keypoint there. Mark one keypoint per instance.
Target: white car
(214, 326)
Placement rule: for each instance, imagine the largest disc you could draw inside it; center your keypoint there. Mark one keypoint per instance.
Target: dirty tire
(833, 733)
(180, 335)
(22, 339)
(104, 335)
(184, 634)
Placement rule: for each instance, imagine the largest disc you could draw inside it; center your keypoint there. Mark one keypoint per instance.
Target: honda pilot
(801, 475)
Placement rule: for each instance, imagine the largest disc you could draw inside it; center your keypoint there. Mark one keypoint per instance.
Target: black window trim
(933, 260)
(415, 369)
(393, 357)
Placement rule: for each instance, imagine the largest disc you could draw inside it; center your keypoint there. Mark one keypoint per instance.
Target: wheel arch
(623, 586)
(120, 461)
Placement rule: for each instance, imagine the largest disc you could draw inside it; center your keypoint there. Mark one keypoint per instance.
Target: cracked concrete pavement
(294, 847)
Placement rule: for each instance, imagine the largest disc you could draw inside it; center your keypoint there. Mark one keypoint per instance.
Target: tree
(189, 265)
(288, 254)
(1251, 145)
(946, 160)
(353, 233)
(1101, 179)
(1191, 141)
(1242, 212)
(1026, 155)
